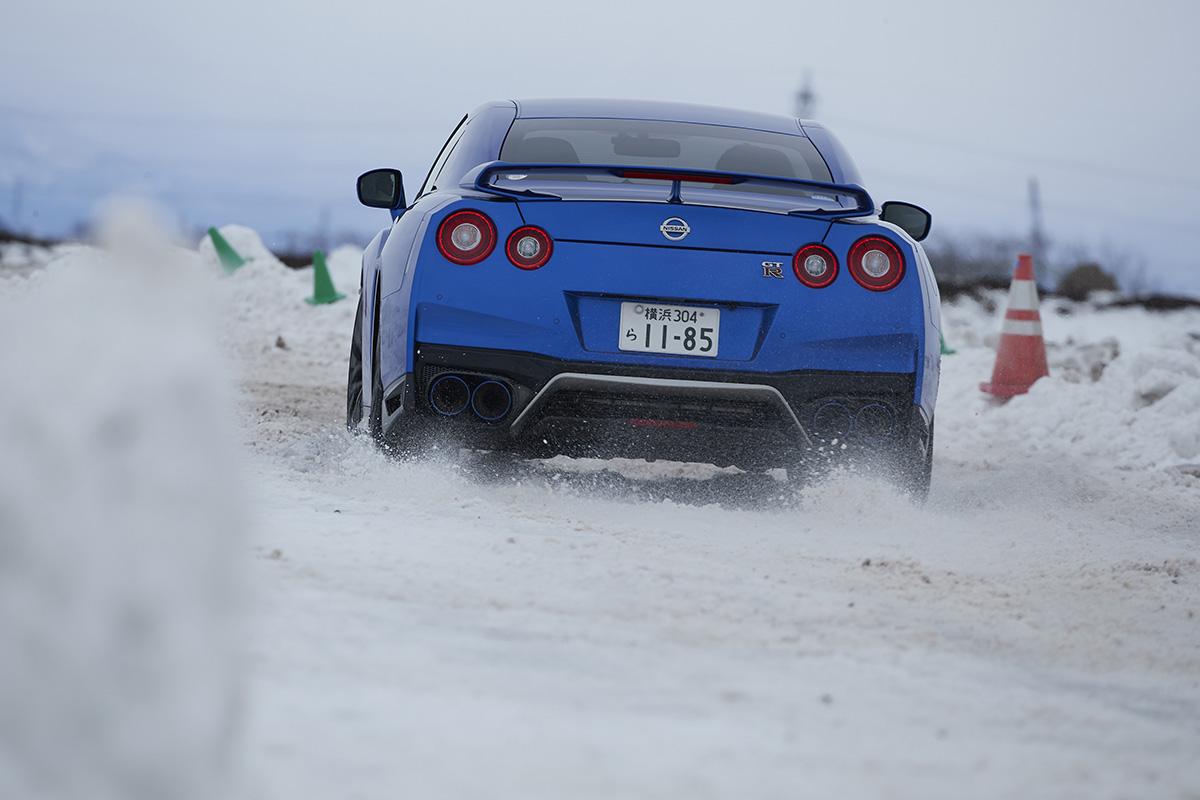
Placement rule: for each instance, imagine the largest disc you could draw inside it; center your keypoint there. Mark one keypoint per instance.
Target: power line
(1109, 171)
(1078, 211)
(805, 97)
(176, 120)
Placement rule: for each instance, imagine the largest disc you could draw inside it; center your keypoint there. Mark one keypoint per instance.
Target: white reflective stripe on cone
(1022, 327)
(1023, 296)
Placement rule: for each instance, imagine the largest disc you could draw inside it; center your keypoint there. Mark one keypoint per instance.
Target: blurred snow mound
(120, 515)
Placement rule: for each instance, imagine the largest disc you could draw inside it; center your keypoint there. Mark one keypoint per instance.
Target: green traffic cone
(323, 291)
(947, 350)
(229, 257)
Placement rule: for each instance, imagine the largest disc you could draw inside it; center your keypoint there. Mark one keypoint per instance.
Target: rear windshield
(646, 143)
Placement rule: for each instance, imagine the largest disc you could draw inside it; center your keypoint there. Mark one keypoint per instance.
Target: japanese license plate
(678, 330)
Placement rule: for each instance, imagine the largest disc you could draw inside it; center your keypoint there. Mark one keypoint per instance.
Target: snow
(468, 626)
(245, 241)
(17, 258)
(122, 523)
(1124, 390)
(274, 333)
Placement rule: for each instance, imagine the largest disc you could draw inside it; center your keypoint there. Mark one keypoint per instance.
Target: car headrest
(757, 160)
(541, 149)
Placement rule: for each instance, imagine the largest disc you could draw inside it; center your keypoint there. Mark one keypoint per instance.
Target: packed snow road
(457, 628)
(426, 629)
(464, 626)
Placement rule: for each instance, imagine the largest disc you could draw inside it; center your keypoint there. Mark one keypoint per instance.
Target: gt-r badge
(772, 269)
(674, 228)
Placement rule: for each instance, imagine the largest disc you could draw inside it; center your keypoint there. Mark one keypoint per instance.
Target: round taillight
(466, 237)
(876, 263)
(815, 265)
(529, 247)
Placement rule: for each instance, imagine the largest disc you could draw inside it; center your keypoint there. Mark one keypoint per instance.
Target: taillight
(529, 247)
(815, 265)
(876, 263)
(466, 237)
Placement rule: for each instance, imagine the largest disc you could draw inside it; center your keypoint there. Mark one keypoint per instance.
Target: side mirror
(381, 188)
(911, 219)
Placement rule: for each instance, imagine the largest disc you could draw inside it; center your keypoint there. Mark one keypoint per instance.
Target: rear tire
(917, 470)
(354, 386)
(354, 393)
(906, 464)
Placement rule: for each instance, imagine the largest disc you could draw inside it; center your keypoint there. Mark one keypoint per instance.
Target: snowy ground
(458, 628)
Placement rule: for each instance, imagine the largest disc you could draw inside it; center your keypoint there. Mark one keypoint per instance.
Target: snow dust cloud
(122, 515)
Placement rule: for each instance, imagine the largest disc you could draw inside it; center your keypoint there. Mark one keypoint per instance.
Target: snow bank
(17, 258)
(1123, 393)
(120, 520)
(246, 241)
(345, 265)
(275, 335)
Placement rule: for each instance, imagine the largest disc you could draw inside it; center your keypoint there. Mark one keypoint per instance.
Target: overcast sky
(264, 113)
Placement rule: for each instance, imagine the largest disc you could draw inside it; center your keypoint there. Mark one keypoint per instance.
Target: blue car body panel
(607, 252)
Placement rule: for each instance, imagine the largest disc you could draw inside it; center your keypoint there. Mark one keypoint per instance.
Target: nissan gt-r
(657, 280)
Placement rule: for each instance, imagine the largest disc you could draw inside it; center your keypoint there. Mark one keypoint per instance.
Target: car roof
(656, 110)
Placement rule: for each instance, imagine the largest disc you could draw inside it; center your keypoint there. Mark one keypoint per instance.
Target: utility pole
(806, 99)
(17, 201)
(1037, 237)
(323, 230)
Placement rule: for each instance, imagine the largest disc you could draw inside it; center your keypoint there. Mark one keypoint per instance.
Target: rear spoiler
(481, 179)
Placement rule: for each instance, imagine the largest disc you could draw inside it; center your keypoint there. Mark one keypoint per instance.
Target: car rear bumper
(594, 408)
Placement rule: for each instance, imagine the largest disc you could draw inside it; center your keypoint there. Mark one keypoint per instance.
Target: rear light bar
(529, 247)
(651, 175)
(466, 237)
(876, 263)
(815, 266)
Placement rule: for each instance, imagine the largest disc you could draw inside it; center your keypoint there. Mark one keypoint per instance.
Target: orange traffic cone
(1021, 358)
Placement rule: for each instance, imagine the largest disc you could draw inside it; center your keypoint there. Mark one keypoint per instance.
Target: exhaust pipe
(874, 422)
(832, 421)
(449, 395)
(491, 401)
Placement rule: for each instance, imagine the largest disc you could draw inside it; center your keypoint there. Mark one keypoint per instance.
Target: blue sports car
(660, 280)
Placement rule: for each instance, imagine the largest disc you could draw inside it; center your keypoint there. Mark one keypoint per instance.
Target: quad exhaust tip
(449, 395)
(840, 420)
(491, 401)
(833, 420)
(873, 422)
